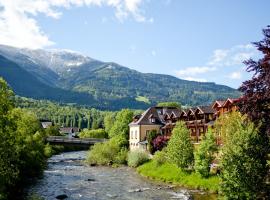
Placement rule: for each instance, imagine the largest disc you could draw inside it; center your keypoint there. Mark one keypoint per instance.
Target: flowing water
(68, 176)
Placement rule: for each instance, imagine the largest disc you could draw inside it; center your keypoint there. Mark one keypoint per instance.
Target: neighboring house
(161, 119)
(46, 124)
(198, 120)
(70, 131)
(223, 107)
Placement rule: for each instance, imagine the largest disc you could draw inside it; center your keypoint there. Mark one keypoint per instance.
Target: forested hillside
(69, 77)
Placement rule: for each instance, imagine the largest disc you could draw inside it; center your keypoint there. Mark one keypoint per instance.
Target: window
(136, 134)
(131, 135)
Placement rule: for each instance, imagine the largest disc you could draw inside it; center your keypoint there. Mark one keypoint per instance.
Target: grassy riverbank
(172, 174)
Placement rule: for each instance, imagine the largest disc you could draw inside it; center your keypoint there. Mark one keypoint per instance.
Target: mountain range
(65, 76)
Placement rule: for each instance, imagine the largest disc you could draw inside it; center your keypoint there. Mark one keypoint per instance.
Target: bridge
(77, 142)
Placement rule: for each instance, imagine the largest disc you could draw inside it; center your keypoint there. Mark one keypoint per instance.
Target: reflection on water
(67, 174)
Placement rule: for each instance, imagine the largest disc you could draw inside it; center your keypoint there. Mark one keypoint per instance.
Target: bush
(137, 158)
(160, 142)
(107, 153)
(160, 157)
(150, 137)
(97, 133)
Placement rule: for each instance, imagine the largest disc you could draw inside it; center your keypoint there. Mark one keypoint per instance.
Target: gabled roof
(205, 110)
(218, 103)
(229, 100)
(184, 112)
(191, 111)
(159, 115)
(46, 124)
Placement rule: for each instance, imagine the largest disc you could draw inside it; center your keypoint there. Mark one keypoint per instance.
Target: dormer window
(153, 120)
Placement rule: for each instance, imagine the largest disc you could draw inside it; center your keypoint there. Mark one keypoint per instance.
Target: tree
(8, 156)
(169, 104)
(120, 126)
(53, 131)
(22, 151)
(242, 169)
(255, 101)
(108, 121)
(205, 154)
(180, 148)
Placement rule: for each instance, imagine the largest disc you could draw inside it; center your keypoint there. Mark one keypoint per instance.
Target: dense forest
(68, 115)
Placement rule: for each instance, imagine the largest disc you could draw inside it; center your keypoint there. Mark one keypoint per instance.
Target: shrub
(150, 137)
(160, 142)
(107, 153)
(137, 158)
(97, 133)
(160, 157)
(180, 148)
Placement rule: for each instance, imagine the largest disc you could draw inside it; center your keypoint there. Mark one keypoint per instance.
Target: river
(67, 174)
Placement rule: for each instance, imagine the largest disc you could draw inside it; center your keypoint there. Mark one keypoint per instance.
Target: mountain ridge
(107, 85)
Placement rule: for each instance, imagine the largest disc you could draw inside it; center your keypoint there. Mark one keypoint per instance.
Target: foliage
(255, 101)
(180, 148)
(137, 158)
(172, 174)
(107, 153)
(169, 104)
(22, 151)
(243, 170)
(66, 114)
(120, 126)
(108, 121)
(113, 151)
(160, 142)
(98, 133)
(205, 154)
(53, 131)
(150, 137)
(160, 157)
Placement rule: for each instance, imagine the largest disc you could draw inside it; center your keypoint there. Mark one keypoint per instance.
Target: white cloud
(232, 56)
(195, 79)
(194, 71)
(19, 28)
(235, 75)
(227, 59)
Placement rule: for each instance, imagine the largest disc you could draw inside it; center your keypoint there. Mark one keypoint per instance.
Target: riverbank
(169, 173)
(67, 174)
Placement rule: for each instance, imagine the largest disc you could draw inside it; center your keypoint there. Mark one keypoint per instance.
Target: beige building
(154, 118)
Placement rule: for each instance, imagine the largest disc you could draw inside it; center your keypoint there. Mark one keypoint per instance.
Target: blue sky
(191, 39)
